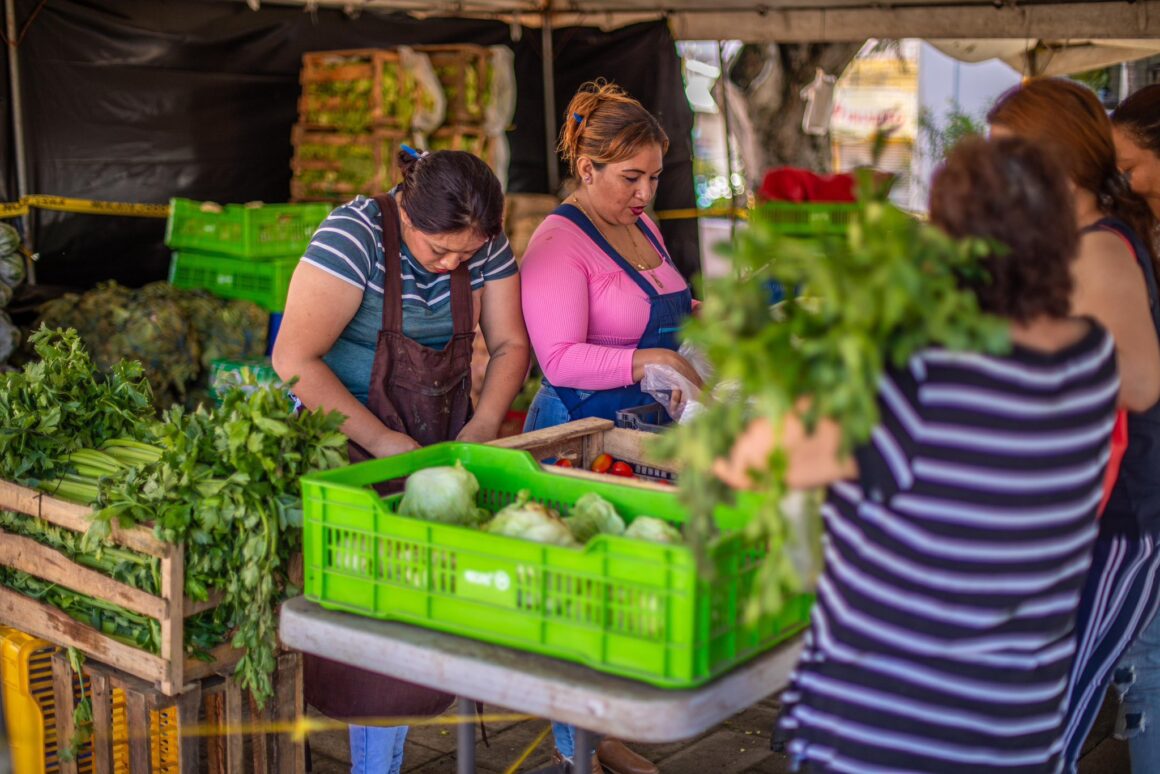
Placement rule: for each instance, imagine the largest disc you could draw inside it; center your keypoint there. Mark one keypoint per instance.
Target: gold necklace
(635, 260)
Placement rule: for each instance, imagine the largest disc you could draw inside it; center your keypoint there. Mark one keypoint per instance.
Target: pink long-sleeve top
(585, 315)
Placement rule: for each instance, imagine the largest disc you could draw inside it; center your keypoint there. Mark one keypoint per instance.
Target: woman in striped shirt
(959, 537)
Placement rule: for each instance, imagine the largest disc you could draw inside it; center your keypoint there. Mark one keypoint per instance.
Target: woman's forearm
(506, 372)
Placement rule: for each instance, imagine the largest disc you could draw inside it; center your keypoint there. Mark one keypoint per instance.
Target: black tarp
(141, 100)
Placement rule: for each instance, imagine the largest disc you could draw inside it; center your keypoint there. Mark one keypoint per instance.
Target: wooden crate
(354, 90)
(584, 440)
(228, 722)
(465, 73)
(335, 167)
(170, 670)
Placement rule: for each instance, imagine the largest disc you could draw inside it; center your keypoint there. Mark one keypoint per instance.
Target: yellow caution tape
(13, 209)
(527, 753)
(302, 725)
(715, 212)
(93, 207)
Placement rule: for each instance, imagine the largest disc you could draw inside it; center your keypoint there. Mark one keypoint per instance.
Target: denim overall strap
(665, 315)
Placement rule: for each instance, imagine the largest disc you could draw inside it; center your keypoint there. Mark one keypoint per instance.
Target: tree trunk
(770, 77)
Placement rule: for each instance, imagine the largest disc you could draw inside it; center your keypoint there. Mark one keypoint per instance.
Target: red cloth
(1119, 446)
(789, 184)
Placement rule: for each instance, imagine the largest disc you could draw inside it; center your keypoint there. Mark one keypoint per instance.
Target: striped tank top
(944, 628)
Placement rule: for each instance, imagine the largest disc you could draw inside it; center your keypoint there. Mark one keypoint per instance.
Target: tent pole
(18, 124)
(728, 139)
(549, 76)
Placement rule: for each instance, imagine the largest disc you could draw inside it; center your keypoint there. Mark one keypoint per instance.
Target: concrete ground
(740, 745)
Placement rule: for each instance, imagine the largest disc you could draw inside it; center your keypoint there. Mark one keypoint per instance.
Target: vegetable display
(12, 270)
(871, 298)
(225, 482)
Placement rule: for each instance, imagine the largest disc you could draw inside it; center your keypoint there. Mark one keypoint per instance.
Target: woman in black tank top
(1136, 132)
(1115, 283)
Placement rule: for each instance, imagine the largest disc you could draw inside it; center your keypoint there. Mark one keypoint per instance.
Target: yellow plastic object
(30, 712)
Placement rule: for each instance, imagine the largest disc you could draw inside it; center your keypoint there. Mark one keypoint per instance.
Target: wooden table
(594, 702)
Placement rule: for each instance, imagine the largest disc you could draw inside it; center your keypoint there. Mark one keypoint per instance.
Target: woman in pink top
(601, 296)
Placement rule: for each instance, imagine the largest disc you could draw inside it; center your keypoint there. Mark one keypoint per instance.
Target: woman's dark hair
(448, 191)
(1139, 116)
(1068, 118)
(1011, 192)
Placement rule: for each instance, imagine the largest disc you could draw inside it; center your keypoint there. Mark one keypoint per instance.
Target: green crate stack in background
(239, 251)
(627, 607)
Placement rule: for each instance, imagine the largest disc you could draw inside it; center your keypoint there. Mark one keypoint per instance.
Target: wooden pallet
(170, 670)
(221, 700)
(457, 66)
(341, 178)
(584, 440)
(368, 66)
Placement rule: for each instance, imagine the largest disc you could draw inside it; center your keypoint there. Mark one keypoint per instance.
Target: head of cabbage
(443, 494)
(592, 515)
(530, 520)
(653, 530)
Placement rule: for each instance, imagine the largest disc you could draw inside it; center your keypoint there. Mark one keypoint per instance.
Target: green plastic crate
(243, 230)
(266, 283)
(622, 606)
(807, 219)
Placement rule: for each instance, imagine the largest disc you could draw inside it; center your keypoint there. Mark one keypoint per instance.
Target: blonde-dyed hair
(605, 124)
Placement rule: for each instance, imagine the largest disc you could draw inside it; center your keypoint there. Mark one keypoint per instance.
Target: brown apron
(426, 394)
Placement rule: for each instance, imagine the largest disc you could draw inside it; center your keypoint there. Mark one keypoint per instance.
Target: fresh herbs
(866, 300)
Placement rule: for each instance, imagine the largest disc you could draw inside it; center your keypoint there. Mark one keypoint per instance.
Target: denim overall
(667, 312)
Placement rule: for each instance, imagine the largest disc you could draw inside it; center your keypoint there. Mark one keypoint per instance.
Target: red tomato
(602, 463)
(564, 463)
(622, 469)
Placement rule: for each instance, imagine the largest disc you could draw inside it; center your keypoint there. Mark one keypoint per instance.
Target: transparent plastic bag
(679, 396)
(430, 101)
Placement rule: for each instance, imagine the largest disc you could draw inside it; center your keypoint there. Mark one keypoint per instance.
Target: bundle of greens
(62, 403)
(227, 485)
(888, 288)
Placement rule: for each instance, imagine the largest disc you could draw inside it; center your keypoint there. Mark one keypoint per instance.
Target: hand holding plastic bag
(674, 391)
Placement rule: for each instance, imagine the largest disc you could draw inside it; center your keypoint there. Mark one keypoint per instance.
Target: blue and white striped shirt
(349, 245)
(944, 629)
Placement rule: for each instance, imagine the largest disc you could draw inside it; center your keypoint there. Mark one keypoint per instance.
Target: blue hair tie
(411, 151)
(578, 118)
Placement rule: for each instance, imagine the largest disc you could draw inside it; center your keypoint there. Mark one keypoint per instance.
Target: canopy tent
(1051, 57)
(791, 21)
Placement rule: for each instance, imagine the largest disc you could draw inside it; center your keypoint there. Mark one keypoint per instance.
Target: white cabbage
(530, 520)
(592, 515)
(653, 530)
(443, 494)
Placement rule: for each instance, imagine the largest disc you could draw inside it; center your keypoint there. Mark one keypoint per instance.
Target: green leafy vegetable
(592, 515)
(887, 288)
(529, 520)
(653, 530)
(443, 494)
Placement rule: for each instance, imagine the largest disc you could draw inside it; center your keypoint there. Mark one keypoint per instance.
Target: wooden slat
(102, 698)
(554, 435)
(188, 706)
(225, 657)
(140, 732)
(14, 497)
(65, 701)
(633, 445)
(235, 743)
(260, 743)
(193, 607)
(41, 620)
(26, 555)
(588, 475)
(215, 748)
(289, 756)
(173, 626)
